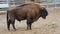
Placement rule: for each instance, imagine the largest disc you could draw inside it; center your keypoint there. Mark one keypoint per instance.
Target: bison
(27, 11)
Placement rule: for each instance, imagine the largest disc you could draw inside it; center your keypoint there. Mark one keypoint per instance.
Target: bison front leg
(29, 23)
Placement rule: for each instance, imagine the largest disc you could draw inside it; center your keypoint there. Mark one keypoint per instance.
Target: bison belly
(20, 16)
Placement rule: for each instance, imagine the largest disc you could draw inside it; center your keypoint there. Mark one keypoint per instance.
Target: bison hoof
(29, 29)
(8, 29)
(14, 29)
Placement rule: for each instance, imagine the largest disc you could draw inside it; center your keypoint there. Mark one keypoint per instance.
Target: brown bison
(27, 11)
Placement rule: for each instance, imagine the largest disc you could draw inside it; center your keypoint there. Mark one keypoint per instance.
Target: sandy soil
(50, 25)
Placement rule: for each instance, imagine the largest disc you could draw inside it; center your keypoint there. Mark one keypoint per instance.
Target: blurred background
(4, 4)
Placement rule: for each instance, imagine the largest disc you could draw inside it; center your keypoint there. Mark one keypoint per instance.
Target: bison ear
(43, 12)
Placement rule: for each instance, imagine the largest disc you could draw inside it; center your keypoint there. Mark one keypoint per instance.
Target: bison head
(43, 12)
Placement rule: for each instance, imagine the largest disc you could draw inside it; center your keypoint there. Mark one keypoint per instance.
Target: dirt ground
(50, 25)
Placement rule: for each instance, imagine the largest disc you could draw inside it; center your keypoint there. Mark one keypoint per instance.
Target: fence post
(47, 4)
(55, 3)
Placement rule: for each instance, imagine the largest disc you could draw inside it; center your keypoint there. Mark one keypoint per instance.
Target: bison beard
(29, 11)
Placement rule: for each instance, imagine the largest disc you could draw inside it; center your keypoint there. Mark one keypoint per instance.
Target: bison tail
(7, 15)
(8, 21)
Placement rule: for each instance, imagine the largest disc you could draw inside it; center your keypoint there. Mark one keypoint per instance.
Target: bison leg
(10, 20)
(29, 26)
(29, 23)
(8, 24)
(13, 24)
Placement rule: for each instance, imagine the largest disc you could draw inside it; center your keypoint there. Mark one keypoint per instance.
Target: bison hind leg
(8, 24)
(13, 24)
